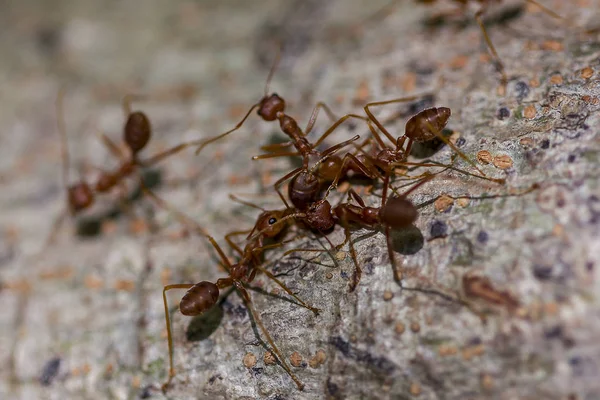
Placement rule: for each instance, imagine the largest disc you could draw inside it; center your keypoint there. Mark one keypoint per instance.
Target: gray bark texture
(84, 317)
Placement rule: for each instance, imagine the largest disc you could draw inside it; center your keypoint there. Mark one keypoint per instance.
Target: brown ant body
(305, 185)
(137, 132)
(396, 213)
(202, 296)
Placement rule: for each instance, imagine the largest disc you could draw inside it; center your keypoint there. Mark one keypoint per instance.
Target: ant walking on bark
(202, 296)
(137, 132)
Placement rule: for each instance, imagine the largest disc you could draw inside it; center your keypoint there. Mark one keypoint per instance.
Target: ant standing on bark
(304, 179)
(137, 132)
(202, 296)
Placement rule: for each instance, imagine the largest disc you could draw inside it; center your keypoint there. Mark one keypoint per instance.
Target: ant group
(307, 205)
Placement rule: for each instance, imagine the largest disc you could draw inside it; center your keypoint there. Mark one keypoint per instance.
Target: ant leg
(205, 142)
(368, 171)
(276, 146)
(282, 285)
(156, 158)
(56, 225)
(275, 155)
(169, 332)
(395, 270)
(497, 62)
(335, 126)
(245, 202)
(388, 237)
(112, 146)
(447, 167)
(357, 270)
(352, 195)
(462, 155)
(188, 221)
(315, 114)
(382, 103)
(248, 301)
(546, 9)
(232, 244)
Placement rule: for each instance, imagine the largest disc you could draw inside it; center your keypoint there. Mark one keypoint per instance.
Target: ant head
(303, 190)
(398, 212)
(319, 216)
(270, 106)
(267, 223)
(137, 131)
(200, 298)
(80, 196)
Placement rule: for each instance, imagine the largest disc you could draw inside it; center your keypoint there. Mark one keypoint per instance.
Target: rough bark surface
(84, 318)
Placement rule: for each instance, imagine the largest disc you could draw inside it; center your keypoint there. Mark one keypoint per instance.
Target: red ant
(137, 132)
(305, 181)
(396, 213)
(202, 296)
(422, 127)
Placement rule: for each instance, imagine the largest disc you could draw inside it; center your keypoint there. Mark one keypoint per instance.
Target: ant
(137, 132)
(202, 296)
(422, 127)
(396, 213)
(305, 182)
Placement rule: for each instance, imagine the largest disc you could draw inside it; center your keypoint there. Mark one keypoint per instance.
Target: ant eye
(272, 221)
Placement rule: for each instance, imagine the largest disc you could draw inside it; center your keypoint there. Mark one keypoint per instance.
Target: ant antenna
(244, 202)
(273, 69)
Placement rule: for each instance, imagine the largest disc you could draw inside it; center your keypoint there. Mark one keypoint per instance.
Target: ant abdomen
(303, 190)
(398, 212)
(137, 131)
(329, 168)
(270, 106)
(427, 124)
(199, 298)
(80, 196)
